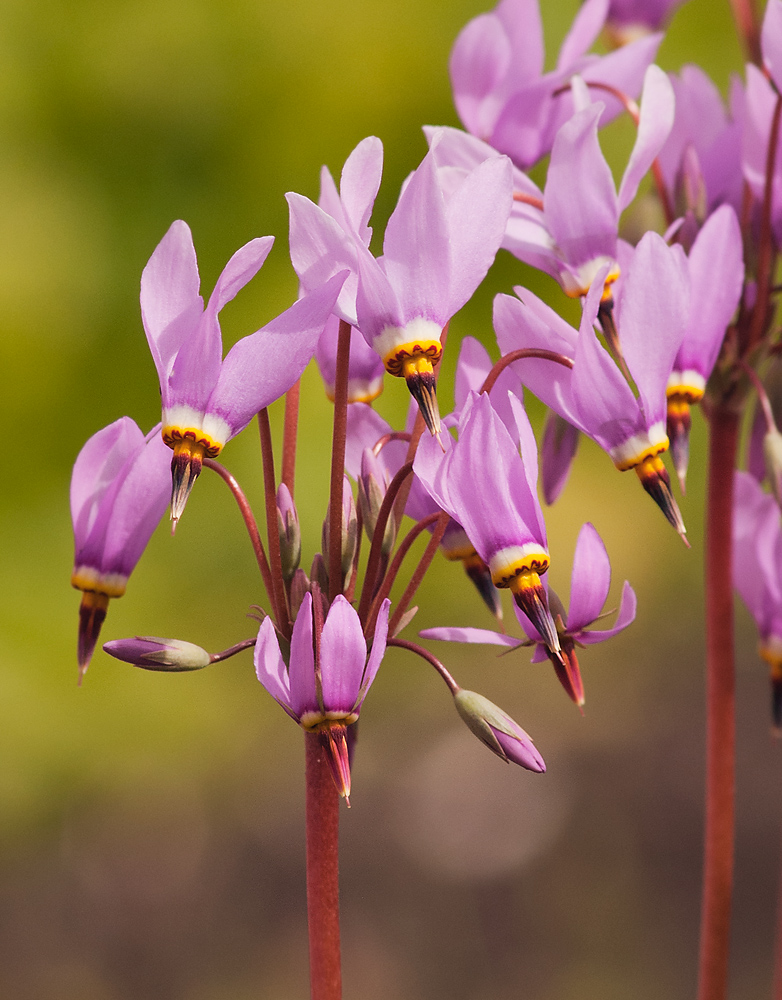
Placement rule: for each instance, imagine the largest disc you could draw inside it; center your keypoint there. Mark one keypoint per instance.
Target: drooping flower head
(593, 395)
(206, 399)
(119, 492)
(589, 588)
(501, 92)
(327, 678)
(491, 490)
(757, 573)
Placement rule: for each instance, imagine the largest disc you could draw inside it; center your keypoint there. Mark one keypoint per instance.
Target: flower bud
(290, 532)
(372, 486)
(151, 653)
(300, 586)
(497, 730)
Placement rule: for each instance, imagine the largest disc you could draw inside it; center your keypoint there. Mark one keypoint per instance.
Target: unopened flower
(206, 399)
(119, 492)
(324, 685)
(152, 653)
(289, 531)
(594, 396)
(589, 588)
(497, 730)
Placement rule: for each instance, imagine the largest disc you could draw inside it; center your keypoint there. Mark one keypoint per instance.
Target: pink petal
(270, 666)
(654, 127)
(303, 696)
(586, 26)
(360, 184)
(473, 635)
(625, 617)
(590, 581)
(343, 654)
(479, 61)
(378, 650)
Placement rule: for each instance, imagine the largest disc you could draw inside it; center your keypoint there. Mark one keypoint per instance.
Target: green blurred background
(150, 826)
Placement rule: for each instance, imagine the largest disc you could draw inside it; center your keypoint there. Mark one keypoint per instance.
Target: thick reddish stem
(322, 873)
(338, 460)
(720, 710)
(289, 433)
(747, 23)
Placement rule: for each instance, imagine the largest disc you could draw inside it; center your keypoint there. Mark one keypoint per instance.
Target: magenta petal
(716, 269)
(652, 316)
(558, 449)
(378, 650)
(480, 59)
(364, 429)
(580, 198)
(360, 183)
(473, 635)
(472, 367)
(97, 466)
(240, 269)
(303, 694)
(260, 368)
(771, 40)
(625, 617)
(343, 654)
(270, 666)
(520, 749)
(377, 303)
(654, 127)
(590, 581)
(586, 26)
(170, 302)
(139, 505)
(477, 214)
(417, 252)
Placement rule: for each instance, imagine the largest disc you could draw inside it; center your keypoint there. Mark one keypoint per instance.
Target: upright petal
(303, 694)
(625, 617)
(654, 127)
(586, 26)
(360, 183)
(479, 61)
(343, 654)
(260, 368)
(590, 581)
(378, 650)
(270, 666)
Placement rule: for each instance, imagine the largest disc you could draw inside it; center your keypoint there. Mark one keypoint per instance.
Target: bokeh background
(151, 826)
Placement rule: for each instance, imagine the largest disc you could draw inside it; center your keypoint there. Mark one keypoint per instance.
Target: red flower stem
(375, 560)
(720, 709)
(523, 352)
(322, 824)
(272, 530)
(396, 562)
(430, 658)
(250, 523)
(338, 460)
(289, 433)
(765, 242)
(420, 571)
(760, 389)
(747, 23)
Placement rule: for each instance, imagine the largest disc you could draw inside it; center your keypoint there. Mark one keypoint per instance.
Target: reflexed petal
(587, 25)
(627, 608)
(771, 40)
(343, 654)
(417, 254)
(270, 666)
(377, 303)
(473, 635)
(97, 466)
(170, 303)
(303, 695)
(360, 183)
(590, 581)
(480, 59)
(580, 198)
(473, 366)
(378, 650)
(558, 449)
(654, 127)
(260, 368)
(652, 315)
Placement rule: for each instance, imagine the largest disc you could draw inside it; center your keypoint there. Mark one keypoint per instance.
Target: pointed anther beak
(678, 430)
(333, 739)
(569, 673)
(530, 595)
(186, 467)
(92, 614)
(418, 372)
(479, 573)
(656, 481)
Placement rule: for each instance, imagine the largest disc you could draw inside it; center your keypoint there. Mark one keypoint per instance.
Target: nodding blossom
(501, 93)
(589, 588)
(439, 244)
(325, 681)
(491, 490)
(594, 396)
(206, 399)
(119, 492)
